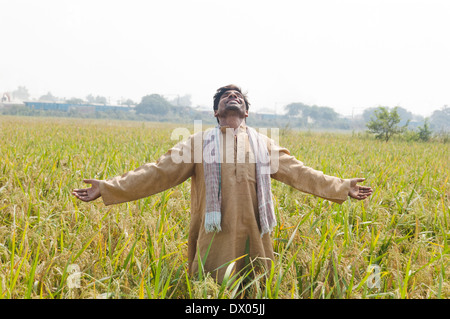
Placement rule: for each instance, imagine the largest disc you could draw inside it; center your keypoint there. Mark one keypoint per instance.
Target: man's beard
(234, 109)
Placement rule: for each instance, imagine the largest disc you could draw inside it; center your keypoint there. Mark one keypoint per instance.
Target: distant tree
(413, 120)
(323, 113)
(315, 112)
(405, 115)
(384, 123)
(184, 100)
(21, 93)
(90, 98)
(314, 116)
(368, 113)
(128, 102)
(424, 132)
(75, 100)
(153, 104)
(101, 100)
(96, 99)
(48, 97)
(440, 119)
(296, 109)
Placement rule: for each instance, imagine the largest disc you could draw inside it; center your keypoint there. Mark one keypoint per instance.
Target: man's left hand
(359, 192)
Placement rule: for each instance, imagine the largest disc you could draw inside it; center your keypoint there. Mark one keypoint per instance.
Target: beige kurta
(240, 219)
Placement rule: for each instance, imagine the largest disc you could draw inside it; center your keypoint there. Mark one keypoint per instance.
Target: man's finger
(76, 195)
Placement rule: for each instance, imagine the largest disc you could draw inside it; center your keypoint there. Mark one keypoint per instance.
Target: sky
(345, 54)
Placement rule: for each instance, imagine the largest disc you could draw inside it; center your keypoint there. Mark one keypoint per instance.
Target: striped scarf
(212, 172)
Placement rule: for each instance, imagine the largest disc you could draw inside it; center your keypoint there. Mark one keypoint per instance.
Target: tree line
(156, 107)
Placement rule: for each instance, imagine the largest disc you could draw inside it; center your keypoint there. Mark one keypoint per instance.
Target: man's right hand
(88, 194)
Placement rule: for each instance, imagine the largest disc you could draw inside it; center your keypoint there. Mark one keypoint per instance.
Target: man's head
(229, 99)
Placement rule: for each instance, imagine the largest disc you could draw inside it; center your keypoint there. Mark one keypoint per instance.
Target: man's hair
(229, 87)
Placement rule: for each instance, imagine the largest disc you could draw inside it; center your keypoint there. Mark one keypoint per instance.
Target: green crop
(392, 245)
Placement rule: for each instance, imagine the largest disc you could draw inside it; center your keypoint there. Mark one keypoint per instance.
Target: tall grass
(139, 249)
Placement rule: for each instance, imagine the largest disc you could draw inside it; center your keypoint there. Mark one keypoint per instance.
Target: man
(231, 205)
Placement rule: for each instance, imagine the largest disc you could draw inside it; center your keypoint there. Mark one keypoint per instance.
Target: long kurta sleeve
(150, 178)
(289, 170)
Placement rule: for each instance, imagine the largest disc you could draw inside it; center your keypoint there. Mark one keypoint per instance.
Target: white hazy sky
(345, 54)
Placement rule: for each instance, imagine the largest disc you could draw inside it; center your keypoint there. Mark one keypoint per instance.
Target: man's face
(231, 103)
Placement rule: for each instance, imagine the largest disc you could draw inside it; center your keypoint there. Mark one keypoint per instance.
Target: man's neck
(231, 121)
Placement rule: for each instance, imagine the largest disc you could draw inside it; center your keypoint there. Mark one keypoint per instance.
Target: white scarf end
(267, 229)
(212, 222)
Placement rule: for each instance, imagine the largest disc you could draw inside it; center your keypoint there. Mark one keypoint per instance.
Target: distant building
(55, 106)
(85, 107)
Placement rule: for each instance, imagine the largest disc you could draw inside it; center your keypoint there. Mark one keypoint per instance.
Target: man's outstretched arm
(293, 172)
(144, 181)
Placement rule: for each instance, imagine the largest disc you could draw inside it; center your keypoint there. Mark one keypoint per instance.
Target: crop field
(396, 244)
